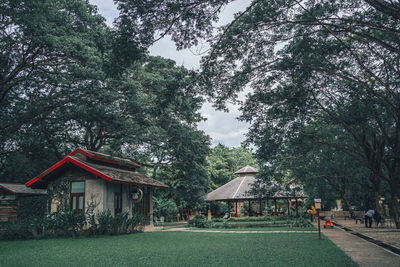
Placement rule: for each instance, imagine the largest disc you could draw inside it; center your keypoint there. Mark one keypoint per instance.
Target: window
(118, 201)
(77, 197)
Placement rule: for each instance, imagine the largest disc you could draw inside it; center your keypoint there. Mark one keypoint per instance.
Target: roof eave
(89, 169)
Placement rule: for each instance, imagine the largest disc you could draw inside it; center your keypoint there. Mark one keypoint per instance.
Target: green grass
(177, 249)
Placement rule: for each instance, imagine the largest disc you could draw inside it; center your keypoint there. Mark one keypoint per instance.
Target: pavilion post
(249, 207)
(297, 209)
(236, 208)
(275, 207)
(260, 207)
(288, 207)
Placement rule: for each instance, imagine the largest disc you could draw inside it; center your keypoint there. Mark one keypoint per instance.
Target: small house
(86, 180)
(10, 195)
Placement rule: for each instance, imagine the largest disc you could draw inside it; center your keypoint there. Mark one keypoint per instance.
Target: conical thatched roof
(247, 170)
(240, 188)
(237, 189)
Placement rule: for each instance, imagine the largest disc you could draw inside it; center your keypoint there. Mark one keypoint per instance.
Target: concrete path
(363, 252)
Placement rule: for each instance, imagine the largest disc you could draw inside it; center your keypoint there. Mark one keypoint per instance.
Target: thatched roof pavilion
(240, 189)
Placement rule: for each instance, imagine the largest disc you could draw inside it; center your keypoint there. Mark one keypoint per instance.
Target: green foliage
(165, 207)
(224, 161)
(219, 208)
(200, 221)
(16, 231)
(324, 64)
(30, 208)
(66, 224)
(105, 223)
(262, 221)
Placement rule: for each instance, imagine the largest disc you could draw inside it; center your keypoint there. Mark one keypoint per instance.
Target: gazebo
(240, 190)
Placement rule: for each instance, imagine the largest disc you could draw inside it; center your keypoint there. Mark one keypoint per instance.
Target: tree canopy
(333, 63)
(69, 80)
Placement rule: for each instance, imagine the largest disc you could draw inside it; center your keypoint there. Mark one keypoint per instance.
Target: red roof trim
(43, 174)
(62, 162)
(87, 154)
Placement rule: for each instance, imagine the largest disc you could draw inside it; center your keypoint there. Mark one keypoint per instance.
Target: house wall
(94, 194)
(93, 189)
(98, 192)
(8, 206)
(110, 189)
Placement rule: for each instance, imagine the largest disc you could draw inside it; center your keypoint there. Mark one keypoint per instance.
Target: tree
(45, 47)
(304, 60)
(68, 80)
(224, 162)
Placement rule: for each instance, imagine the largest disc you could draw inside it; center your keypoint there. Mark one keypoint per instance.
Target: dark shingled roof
(124, 176)
(247, 170)
(106, 158)
(22, 189)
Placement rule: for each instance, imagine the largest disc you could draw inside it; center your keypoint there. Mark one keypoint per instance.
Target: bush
(105, 223)
(16, 231)
(201, 221)
(32, 207)
(166, 208)
(66, 224)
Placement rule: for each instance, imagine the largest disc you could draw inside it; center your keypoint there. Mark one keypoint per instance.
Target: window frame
(76, 209)
(118, 201)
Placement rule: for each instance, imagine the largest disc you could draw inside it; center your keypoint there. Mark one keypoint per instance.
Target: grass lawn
(177, 249)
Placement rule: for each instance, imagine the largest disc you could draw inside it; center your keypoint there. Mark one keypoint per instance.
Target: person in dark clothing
(368, 218)
(378, 219)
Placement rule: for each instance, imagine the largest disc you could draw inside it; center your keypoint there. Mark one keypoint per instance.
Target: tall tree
(224, 161)
(304, 60)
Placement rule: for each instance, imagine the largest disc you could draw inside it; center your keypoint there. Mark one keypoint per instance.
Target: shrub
(201, 221)
(16, 231)
(32, 207)
(65, 223)
(105, 223)
(165, 207)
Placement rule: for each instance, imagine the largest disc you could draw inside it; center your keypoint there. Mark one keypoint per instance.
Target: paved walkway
(361, 251)
(387, 235)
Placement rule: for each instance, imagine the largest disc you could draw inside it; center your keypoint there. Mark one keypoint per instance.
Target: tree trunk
(394, 204)
(376, 182)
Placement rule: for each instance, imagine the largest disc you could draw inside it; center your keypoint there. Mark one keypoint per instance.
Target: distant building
(10, 194)
(240, 190)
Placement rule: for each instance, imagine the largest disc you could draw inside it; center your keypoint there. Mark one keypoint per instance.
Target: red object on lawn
(328, 224)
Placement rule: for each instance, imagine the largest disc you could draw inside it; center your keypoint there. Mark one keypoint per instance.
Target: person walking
(368, 218)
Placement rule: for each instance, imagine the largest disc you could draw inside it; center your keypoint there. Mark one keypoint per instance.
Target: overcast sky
(221, 126)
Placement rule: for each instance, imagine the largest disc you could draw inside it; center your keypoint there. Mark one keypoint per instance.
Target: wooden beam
(236, 208)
